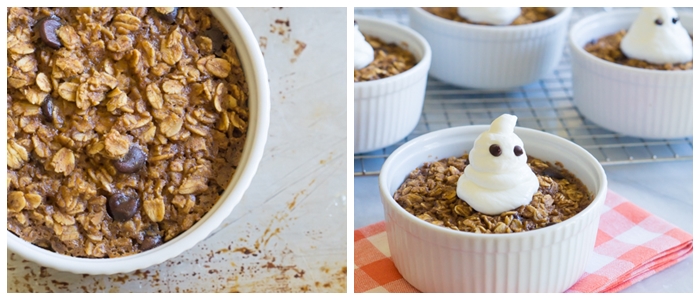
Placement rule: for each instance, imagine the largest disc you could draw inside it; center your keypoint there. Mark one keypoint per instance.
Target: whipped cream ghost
(489, 15)
(364, 53)
(497, 178)
(657, 36)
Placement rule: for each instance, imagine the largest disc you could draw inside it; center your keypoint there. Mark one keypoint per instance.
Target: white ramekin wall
(632, 101)
(388, 109)
(492, 57)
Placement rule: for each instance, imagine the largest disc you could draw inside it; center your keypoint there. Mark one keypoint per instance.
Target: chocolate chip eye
(518, 150)
(675, 20)
(659, 22)
(495, 150)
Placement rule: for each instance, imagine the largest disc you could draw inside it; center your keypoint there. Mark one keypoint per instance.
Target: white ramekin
(259, 119)
(492, 57)
(437, 259)
(632, 101)
(387, 109)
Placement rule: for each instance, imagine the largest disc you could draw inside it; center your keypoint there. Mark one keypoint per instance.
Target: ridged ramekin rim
(422, 66)
(387, 196)
(459, 26)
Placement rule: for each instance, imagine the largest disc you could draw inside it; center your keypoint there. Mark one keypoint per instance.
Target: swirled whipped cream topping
(497, 178)
(364, 53)
(489, 15)
(658, 37)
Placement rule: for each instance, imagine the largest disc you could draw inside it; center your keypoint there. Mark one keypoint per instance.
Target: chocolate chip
(495, 150)
(122, 207)
(675, 20)
(553, 173)
(217, 38)
(237, 133)
(150, 242)
(167, 14)
(659, 22)
(132, 161)
(518, 150)
(47, 108)
(47, 30)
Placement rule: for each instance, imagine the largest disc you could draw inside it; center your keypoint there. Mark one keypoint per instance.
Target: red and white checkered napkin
(631, 245)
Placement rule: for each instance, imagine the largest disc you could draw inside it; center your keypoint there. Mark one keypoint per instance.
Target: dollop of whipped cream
(497, 178)
(364, 53)
(490, 15)
(657, 36)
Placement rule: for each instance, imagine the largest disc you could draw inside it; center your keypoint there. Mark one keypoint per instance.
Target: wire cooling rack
(545, 105)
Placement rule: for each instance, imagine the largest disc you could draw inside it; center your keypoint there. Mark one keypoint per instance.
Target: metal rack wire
(545, 105)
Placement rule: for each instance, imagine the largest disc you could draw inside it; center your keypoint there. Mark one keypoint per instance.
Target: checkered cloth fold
(631, 245)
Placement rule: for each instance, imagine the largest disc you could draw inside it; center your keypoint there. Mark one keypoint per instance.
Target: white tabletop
(293, 216)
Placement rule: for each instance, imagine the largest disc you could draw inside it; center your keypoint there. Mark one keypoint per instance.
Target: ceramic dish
(492, 57)
(259, 114)
(387, 110)
(438, 259)
(632, 101)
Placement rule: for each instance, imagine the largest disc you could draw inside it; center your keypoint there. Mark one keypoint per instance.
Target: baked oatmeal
(429, 192)
(608, 48)
(389, 59)
(124, 125)
(528, 15)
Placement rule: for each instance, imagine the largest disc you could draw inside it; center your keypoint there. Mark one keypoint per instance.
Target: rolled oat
(608, 48)
(123, 129)
(389, 59)
(429, 193)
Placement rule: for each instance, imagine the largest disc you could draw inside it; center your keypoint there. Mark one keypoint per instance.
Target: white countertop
(293, 216)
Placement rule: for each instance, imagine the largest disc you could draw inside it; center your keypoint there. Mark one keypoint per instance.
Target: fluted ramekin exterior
(437, 259)
(387, 110)
(492, 57)
(632, 101)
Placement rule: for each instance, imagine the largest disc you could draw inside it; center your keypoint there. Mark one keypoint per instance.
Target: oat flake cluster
(389, 59)
(124, 125)
(608, 48)
(429, 192)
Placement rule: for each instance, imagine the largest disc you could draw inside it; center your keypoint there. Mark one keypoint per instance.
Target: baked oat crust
(389, 59)
(528, 15)
(429, 193)
(608, 48)
(137, 115)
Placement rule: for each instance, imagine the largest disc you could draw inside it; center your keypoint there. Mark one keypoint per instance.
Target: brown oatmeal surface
(608, 48)
(124, 136)
(528, 15)
(389, 59)
(429, 192)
